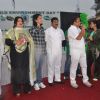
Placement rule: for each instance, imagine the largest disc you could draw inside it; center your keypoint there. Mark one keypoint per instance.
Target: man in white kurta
(1, 54)
(77, 52)
(54, 37)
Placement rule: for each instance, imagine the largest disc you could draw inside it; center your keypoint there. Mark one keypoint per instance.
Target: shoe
(18, 94)
(88, 84)
(1, 97)
(29, 92)
(51, 84)
(59, 82)
(74, 85)
(79, 75)
(41, 85)
(66, 77)
(95, 79)
(36, 87)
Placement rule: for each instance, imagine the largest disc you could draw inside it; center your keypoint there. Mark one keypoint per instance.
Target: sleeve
(73, 33)
(9, 42)
(1, 43)
(31, 31)
(7, 34)
(62, 35)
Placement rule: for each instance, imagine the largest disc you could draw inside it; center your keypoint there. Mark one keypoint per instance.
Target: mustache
(56, 24)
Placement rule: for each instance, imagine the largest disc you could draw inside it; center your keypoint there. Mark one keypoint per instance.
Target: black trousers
(91, 58)
(90, 61)
(97, 68)
(18, 88)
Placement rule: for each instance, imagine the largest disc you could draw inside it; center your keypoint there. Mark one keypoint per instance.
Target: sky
(51, 5)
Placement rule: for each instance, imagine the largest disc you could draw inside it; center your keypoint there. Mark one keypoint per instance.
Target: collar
(54, 28)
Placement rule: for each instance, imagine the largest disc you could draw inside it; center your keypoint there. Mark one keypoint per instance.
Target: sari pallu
(13, 35)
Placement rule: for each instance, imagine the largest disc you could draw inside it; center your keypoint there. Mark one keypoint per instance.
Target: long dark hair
(35, 18)
(16, 19)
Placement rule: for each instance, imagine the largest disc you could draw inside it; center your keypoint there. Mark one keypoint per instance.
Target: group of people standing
(83, 52)
(28, 48)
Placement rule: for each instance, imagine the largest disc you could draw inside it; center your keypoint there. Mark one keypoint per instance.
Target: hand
(23, 41)
(18, 42)
(95, 29)
(82, 27)
(90, 38)
(83, 30)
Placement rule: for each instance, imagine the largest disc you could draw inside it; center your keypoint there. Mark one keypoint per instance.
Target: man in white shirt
(77, 52)
(54, 37)
(1, 54)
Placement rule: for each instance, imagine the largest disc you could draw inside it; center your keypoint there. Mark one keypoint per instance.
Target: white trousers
(78, 56)
(54, 66)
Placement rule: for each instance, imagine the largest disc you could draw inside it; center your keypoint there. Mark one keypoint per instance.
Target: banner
(7, 18)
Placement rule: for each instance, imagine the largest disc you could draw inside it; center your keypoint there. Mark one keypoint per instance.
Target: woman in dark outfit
(19, 42)
(93, 46)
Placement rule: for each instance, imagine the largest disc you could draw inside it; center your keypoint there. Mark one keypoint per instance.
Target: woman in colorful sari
(20, 44)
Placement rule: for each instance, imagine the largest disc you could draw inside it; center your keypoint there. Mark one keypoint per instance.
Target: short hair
(74, 19)
(54, 18)
(35, 18)
(16, 19)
